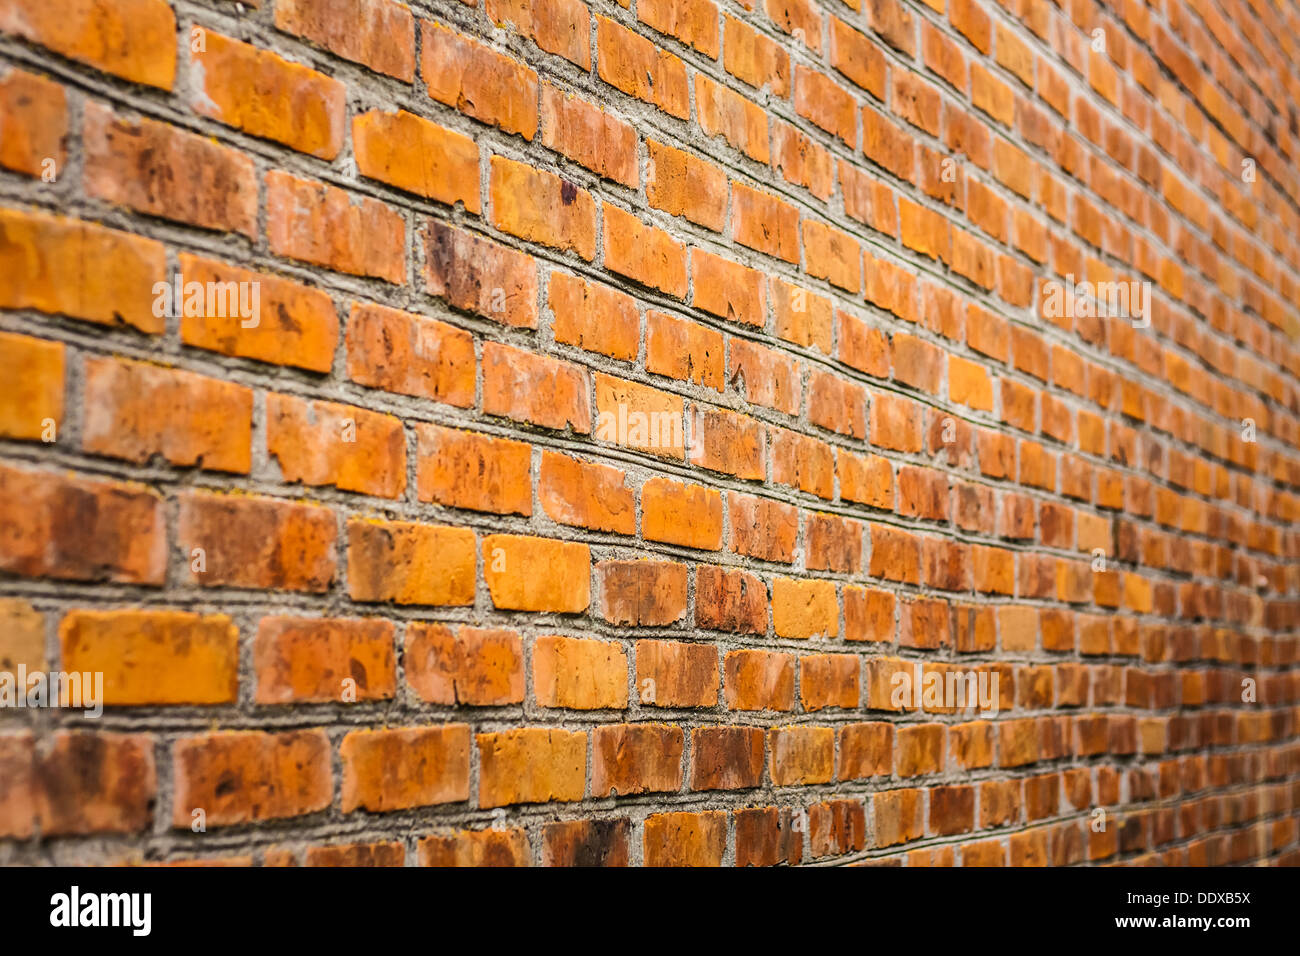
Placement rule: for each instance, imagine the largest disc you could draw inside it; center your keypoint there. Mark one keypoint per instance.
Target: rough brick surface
(547, 432)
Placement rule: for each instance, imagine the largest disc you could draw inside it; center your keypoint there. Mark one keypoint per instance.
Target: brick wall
(620, 396)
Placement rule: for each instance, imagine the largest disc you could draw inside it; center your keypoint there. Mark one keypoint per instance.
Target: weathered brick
(386, 770)
(409, 563)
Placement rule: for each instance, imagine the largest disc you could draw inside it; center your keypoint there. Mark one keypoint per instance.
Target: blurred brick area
(600, 405)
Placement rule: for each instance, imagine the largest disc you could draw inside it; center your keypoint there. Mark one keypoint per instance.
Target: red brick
(684, 514)
(594, 317)
(759, 680)
(685, 185)
(586, 843)
(672, 674)
(636, 758)
(589, 136)
(642, 593)
(80, 529)
(480, 276)
(643, 253)
(765, 223)
(147, 166)
(726, 758)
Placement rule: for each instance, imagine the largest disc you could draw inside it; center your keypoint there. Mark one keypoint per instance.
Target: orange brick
(829, 680)
(728, 289)
(727, 442)
(754, 59)
(579, 674)
(832, 255)
(478, 667)
(561, 27)
(41, 251)
(462, 469)
(134, 39)
(685, 839)
(636, 66)
(292, 325)
(249, 776)
(265, 95)
(684, 514)
(684, 350)
(821, 100)
(409, 152)
(33, 124)
(478, 81)
(694, 22)
(685, 185)
(589, 136)
(386, 770)
(310, 659)
(377, 33)
(643, 253)
(535, 389)
(154, 657)
(32, 405)
(540, 207)
(586, 494)
(638, 416)
(531, 765)
(319, 224)
(857, 58)
(320, 443)
(537, 574)
(410, 354)
(722, 112)
(802, 755)
(765, 223)
(805, 609)
(763, 528)
(477, 848)
(594, 317)
(410, 563)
